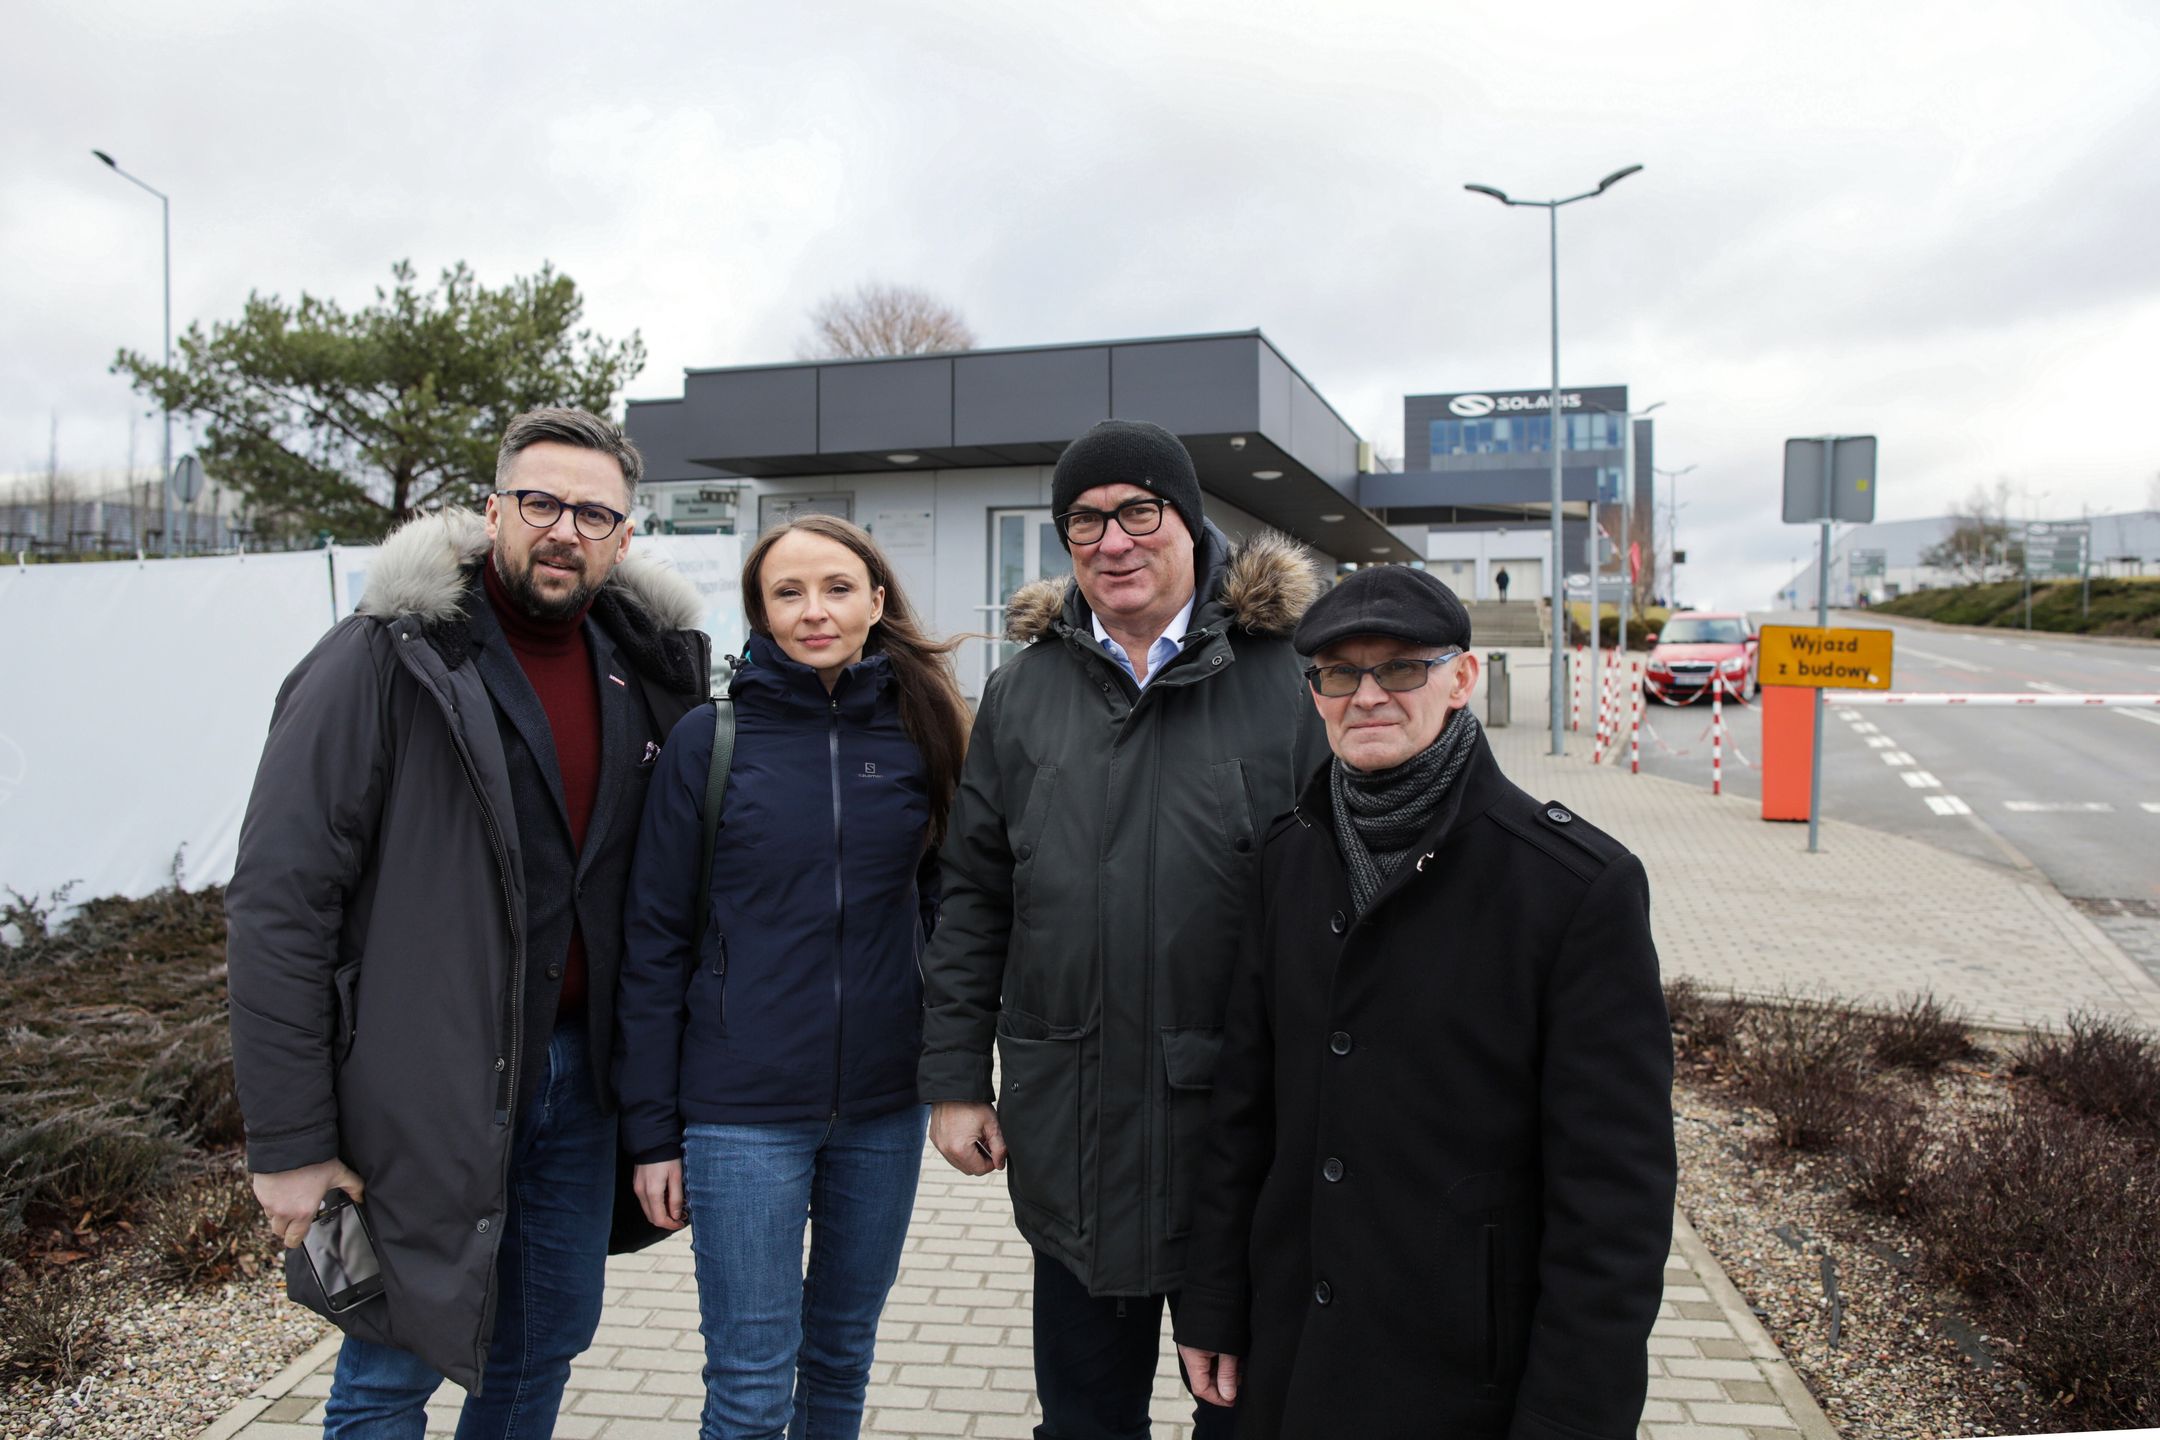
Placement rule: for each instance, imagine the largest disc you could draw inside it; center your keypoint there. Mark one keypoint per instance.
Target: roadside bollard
(1574, 719)
(1634, 739)
(1717, 735)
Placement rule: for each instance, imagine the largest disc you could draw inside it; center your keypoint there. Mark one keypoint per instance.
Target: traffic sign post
(186, 484)
(1827, 478)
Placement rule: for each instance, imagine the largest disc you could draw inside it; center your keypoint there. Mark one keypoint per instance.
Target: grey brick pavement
(1737, 903)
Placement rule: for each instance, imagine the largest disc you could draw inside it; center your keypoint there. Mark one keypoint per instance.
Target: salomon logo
(869, 767)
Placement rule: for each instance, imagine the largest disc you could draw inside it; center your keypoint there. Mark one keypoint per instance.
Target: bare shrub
(1882, 1142)
(2102, 1068)
(50, 1326)
(1922, 1034)
(2052, 1221)
(1801, 1059)
(208, 1231)
(1703, 1024)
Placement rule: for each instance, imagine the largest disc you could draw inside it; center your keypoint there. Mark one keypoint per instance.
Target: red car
(1695, 646)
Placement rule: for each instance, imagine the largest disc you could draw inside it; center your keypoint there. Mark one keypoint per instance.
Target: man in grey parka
(425, 921)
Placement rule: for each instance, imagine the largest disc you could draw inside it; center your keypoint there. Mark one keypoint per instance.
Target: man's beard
(526, 592)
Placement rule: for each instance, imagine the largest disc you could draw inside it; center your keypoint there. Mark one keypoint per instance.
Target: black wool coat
(1438, 1193)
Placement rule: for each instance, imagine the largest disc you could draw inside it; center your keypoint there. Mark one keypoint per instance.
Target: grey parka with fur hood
(1103, 845)
(376, 918)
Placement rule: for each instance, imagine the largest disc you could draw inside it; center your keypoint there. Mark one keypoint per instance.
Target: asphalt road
(2076, 792)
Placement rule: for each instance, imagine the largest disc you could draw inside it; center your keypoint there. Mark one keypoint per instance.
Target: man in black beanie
(1438, 1188)
(1098, 862)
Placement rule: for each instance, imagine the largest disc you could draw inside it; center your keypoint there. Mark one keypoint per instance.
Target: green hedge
(2118, 607)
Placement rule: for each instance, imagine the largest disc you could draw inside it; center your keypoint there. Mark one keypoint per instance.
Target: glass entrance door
(1023, 548)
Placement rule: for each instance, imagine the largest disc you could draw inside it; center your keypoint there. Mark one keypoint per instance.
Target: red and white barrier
(1717, 735)
(1985, 701)
(1634, 739)
(1574, 719)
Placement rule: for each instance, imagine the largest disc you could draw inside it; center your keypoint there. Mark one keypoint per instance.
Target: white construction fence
(135, 695)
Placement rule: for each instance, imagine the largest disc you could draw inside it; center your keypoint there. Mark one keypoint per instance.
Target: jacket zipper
(839, 910)
(506, 1086)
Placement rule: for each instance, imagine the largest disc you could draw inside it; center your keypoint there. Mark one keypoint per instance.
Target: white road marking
(1897, 757)
(1841, 714)
(2042, 685)
(2150, 717)
(1920, 780)
(2021, 644)
(1950, 660)
(1948, 805)
(1880, 742)
(1862, 727)
(2151, 807)
(2059, 807)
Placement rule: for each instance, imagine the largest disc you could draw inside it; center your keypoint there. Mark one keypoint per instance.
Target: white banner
(134, 698)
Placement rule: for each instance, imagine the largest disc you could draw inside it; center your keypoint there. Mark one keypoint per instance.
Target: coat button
(1338, 922)
(1332, 1170)
(1323, 1293)
(500, 1065)
(1558, 816)
(1339, 1042)
(1244, 843)
(484, 1225)
(554, 972)
(1024, 852)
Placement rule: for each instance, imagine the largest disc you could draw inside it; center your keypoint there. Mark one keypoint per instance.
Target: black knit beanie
(1128, 452)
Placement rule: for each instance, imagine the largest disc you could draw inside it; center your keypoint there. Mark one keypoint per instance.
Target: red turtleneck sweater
(554, 657)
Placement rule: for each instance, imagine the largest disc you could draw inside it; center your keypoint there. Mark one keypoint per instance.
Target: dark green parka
(1102, 848)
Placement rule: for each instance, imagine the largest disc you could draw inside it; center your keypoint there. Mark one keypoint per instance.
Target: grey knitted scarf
(1380, 814)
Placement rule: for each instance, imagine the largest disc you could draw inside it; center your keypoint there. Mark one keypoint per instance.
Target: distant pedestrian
(425, 921)
(772, 1007)
(1439, 1180)
(1501, 580)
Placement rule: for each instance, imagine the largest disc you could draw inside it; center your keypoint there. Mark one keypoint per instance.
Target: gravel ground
(1905, 1361)
(173, 1362)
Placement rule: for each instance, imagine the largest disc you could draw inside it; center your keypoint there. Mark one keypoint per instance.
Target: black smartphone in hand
(341, 1249)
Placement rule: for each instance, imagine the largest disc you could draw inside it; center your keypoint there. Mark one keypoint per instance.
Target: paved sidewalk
(1737, 903)
(953, 1350)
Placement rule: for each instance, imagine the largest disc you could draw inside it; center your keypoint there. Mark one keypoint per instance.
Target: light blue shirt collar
(1160, 653)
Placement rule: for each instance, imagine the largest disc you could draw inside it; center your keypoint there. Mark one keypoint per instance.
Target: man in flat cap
(1438, 1191)
(1102, 852)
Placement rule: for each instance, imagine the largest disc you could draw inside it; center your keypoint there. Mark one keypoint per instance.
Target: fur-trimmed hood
(428, 570)
(1264, 585)
(426, 565)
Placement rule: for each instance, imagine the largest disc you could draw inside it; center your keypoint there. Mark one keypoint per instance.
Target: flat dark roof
(1238, 405)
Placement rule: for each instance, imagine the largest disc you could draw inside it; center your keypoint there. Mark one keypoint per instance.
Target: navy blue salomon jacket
(804, 1000)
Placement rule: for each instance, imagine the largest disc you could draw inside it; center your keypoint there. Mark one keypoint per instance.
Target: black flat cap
(1391, 600)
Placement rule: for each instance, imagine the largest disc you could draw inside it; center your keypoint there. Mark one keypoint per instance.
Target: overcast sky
(1938, 223)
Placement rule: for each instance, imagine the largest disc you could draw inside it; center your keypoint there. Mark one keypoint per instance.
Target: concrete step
(1511, 623)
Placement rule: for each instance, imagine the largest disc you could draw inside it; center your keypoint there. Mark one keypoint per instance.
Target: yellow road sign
(1825, 659)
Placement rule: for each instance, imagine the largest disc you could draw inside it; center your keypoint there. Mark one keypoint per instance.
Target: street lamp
(1672, 532)
(1559, 566)
(165, 478)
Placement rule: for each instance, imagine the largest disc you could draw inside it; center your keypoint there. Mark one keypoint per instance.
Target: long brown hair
(931, 708)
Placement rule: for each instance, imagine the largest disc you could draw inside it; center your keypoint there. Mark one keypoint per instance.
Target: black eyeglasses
(541, 510)
(1134, 517)
(1336, 681)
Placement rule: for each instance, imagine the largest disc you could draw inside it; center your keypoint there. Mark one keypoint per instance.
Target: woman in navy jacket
(766, 1067)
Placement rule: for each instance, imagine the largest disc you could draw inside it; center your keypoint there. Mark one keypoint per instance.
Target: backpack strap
(716, 778)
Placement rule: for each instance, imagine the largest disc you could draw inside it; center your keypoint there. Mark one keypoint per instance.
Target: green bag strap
(716, 778)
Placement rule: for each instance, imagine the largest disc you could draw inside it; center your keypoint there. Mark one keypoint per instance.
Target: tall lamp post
(165, 474)
(1672, 532)
(1559, 565)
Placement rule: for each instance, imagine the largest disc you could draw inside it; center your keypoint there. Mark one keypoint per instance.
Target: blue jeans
(788, 1353)
(549, 1274)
